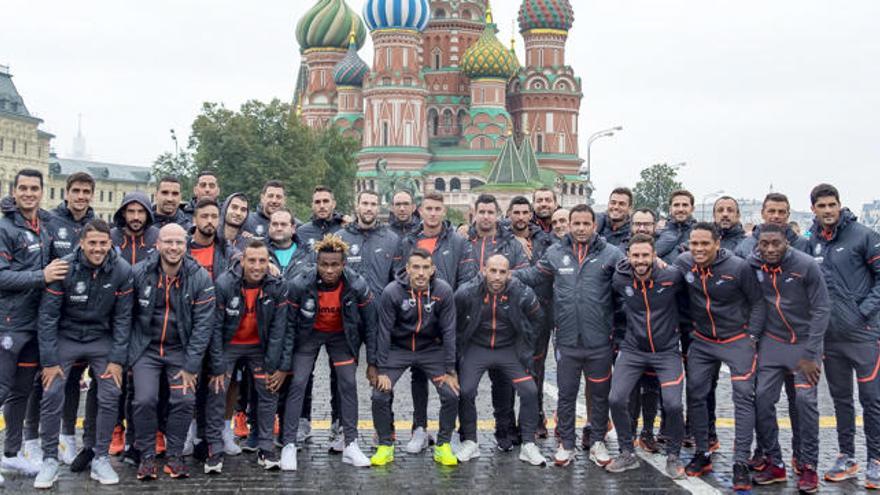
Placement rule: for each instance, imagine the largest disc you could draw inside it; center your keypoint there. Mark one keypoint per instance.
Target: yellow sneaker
(443, 455)
(384, 455)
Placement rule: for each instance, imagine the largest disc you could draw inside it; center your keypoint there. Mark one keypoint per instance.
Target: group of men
(186, 316)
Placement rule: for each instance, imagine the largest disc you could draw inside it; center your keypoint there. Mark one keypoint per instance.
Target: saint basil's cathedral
(446, 103)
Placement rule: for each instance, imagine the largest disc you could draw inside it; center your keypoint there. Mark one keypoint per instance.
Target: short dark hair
(433, 196)
(96, 225)
(544, 189)
(772, 228)
(254, 243)
(648, 211)
(641, 239)
(320, 188)
(519, 200)
(487, 199)
(709, 227)
(79, 177)
(206, 202)
(370, 192)
(272, 183)
(726, 198)
(207, 173)
(582, 208)
(29, 172)
(403, 191)
(168, 178)
(776, 198)
(824, 191)
(681, 192)
(420, 253)
(625, 191)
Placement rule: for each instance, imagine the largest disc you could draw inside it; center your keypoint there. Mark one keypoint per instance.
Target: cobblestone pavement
(492, 472)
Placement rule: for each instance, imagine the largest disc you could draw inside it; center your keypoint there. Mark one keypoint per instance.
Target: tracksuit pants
(703, 359)
(539, 366)
(776, 360)
(343, 362)
(251, 356)
(595, 366)
(19, 362)
(146, 374)
(643, 402)
(842, 360)
(431, 363)
(478, 360)
(628, 370)
(52, 405)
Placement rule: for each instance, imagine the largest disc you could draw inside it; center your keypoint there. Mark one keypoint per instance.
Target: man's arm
(13, 280)
(47, 324)
(387, 317)
(122, 315)
(820, 310)
(277, 330)
(871, 305)
(534, 276)
(755, 299)
(447, 321)
(366, 304)
(203, 321)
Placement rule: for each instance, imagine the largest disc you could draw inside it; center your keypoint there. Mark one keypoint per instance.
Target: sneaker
(337, 446)
(189, 444)
(504, 443)
(251, 443)
(303, 432)
(443, 455)
(599, 454)
(132, 456)
(288, 457)
(758, 462)
(563, 456)
(844, 468)
(742, 480)
(160, 444)
(241, 428)
(200, 451)
(82, 460)
(229, 445)
(418, 442)
(117, 441)
(19, 464)
(872, 475)
(147, 470)
(269, 460)
(585, 437)
(2, 480)
(66, 449)
(772, 473)
(353, 455)
(623, 462)
(675, 468)
(647, 442)
(541, 432)
(530, 453)
(714, 443)
(795, 465)
(48, 474)
(176, 468)
(808, 481)
(384, 455)
(700, 464)
(103, 472)
(214, 464)
(33, 452)
(468, 450)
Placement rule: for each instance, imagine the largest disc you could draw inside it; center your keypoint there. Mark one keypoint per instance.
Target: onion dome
(328, 24)
(488, 57)
(545, 14)
(351, 70)
(397, 14)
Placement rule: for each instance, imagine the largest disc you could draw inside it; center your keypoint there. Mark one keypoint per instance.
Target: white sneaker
(32, 451)
(103, 472)
(190, 442)
(419, 441)
(353, 455)
(563, 456)
(529, 452)
(48, 474)
(19, 464)
(67, 449)
(229, 445)
(303, 431)
(288, 457)
(2, 480)
(337, 446)
(611, 436)
(467, 451)
(599, 454)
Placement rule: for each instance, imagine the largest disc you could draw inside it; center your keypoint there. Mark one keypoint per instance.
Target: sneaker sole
(414, 451)
(846, 475)
(174, 475)
(103, 481)
(599, 463)
(626, 468)
(272, 466)
(214, 469)
(559, 463)
(45, 485)
(534, 463)
(742, 488)
(814, 489)
(771, 481)
(872, 485)
(694, 474)
(642, 445)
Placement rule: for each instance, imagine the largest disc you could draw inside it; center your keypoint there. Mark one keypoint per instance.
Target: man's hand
(113, 371)
(451, 381)
(463, 230)
(55, 271)
(217, 383)
(383, 383)
(274, 270)
(660, 263)
(50, 374)
(188, 379)
(525, 245)
(811, 370)
(372, 374)
(275, 380)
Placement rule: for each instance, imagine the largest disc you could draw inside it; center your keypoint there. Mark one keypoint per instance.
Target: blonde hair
(331, 243)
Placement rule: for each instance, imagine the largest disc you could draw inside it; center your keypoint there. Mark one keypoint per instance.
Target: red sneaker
(771, 474)
(160, 443)
(117, 442)
(808, 481)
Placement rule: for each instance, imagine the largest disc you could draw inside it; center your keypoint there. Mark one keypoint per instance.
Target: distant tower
(79, 152)
(395, 119)
(323, 36)
(349, 78)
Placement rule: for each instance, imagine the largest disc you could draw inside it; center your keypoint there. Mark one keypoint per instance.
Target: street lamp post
(587, 170)
(176, 147)
(706, 197)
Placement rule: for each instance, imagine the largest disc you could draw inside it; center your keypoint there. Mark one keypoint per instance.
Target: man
(204, 243)
(580, 267)
(374, 249)
(497, 318)
(25, 270)
(544, 201)
(726, 215)
(559, 222)
(286, 248)
(173, 323)
(207, 186)
(272, 199)
(673, 239)
(330, 307)
(167, 208)
(848, 254)
(233, 215)
(774, 210)
(727, 311)
(71, 216)
(614, 224)
(403, 220)
(798, 310)
(325, 219)
(134, 234)
(85, 317)
(250, 329)
(650, 295)
(416, 330)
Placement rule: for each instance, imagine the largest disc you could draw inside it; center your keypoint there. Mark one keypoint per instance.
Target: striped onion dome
(351, 70)
(397, 14)
(328, 24)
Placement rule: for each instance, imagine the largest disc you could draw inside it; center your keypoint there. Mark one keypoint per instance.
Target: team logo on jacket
(760, 275)
(62, 233)
(80, 287)
(817, 250)
(260, 230)
(405, 305)
(234, 302)
(79, 293)
(689, 276)
(355, 249)
(30, 237)
(629, 291)
(6, 342)
(309, 305)
(566, 260)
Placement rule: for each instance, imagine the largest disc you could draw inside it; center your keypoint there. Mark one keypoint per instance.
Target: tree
(656, 184)
(180, 166)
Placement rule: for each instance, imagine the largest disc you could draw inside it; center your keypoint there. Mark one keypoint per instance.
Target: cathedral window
(539, 144)
(455, 185)
(438, 58)
(562, 143)
(385, 133)
(439, 14)
(439, 184)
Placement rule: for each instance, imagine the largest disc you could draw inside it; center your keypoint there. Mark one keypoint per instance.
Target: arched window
(539, 143)
(439, 184)
(455, 185)
(386, 134)
(564, 188)
(439, 14)
(438, 58)
(462, 116)
(433, 122)
(466, 15)
(447, 121)
(581, 190)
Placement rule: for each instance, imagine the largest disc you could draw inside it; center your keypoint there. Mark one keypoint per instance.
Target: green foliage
(180, 166)
(654, 187)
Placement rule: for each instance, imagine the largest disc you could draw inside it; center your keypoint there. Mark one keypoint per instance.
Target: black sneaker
(585, 437)
(700, 464)
(132, 456)
(742, 479)
(541, 432)
(148, 470)
(515, 436)
(82, 461)
(176, 468)
(647, 442)
(504, 443)
(214, 464)
(200, 451)
(269, 460)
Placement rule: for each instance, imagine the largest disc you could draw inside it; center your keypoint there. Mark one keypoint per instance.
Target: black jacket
(518, 302)
(358, 313)
(416, 321)
(373, 253)
(316, 229)
(617, 237)
(178, 217)
(651, 307)
(89, 304)
(257, 223)
(453, 256)
(582, 295)
(730, 238)
(503, 243)
(849, 257)
(797, 301)
(194, 310)
(271, 319)
(673, 240)
(223, 252)
(65, 231)
(726, 300)
(24, 252)
(403, 229)
(302, 258)
(748, 245)
(134, 249)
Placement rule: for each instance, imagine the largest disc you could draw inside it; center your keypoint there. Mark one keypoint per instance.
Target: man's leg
(345, 366)
(473, 365)
(419, 388)
(742, 359)
(839, 374)
(669, 370)
(395, 365)
(790, 394)
(181, 403)
(18, 367)
(215, 404)
(52, 401)
(539, 364)
(90, 420)
(145, 380)
(503, 404)
(71, 399)
(597, 371)
(869, 396)
(303, 367)
(771, 375)
(701, 361)
(267, 402)
(107, 397)
(569, 366)
(649, 400)
(628, 369)
(807, 402)
(507, 362)
(32, 413)
(431, 362)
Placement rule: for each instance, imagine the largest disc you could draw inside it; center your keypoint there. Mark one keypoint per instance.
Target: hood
(224, 207)
(235, 270)
(63, 211)
(597, 242)
(690, 222)
(402, 278)
(736, 230)
(444, 232)
(502, 232)
(540, 223)
(846, 217)
(335, 219)
(9, 209)
(403, 226)
(625, 268)
(757, 262)
(218, 241)
(190, 266)
(138, 197)
(790, 234)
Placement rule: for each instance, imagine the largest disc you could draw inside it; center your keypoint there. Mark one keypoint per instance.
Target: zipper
(773, 274)
(419, 321)
(703, 276)
(494, 321)
(648, 318)
(167, 314)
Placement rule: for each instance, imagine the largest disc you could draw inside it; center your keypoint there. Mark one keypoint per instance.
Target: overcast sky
(749, 93)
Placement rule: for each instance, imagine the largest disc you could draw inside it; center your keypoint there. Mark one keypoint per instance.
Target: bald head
(497, 273)
(171, 230)
(172, 246)
(559, 222)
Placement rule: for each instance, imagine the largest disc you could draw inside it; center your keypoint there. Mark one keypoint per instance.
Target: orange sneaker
(117, 441)
(160, 443)
(240, 425)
